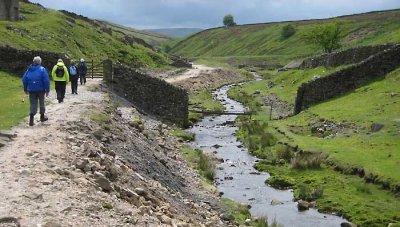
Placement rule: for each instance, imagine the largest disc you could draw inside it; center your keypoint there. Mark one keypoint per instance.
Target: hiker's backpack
(72, 71)
(60, 71)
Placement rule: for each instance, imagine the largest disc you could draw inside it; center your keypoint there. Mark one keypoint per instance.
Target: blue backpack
(72, 71)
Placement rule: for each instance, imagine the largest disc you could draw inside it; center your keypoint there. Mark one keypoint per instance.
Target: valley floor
(90, 166)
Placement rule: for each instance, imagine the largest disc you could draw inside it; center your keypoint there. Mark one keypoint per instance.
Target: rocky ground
(199, 77)
(99, 162)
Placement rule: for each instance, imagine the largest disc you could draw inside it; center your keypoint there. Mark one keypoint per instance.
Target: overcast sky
(209, 13)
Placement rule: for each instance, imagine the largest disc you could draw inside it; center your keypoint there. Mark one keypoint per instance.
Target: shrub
(261, 222)
(287, 31)
(137, 123)
(284, 152)
(100, 118)
(310, 193)
(205, 165)
(363, 188)
(184, 135)
(307, 160)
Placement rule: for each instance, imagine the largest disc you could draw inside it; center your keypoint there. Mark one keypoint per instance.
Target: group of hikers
(36, 83)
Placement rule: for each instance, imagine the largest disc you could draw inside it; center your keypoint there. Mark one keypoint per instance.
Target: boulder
(3, 142)
(82, 164)
(376, 127)
(275, 202)
(102, 182)
(302, 205)
(226, 216)
(347, 224)
(7, 134)
(141, 191)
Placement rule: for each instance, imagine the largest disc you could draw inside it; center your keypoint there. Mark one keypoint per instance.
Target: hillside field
(263, 44)
(51, 30)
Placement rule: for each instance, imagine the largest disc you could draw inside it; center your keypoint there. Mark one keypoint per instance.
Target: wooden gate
(95, 69)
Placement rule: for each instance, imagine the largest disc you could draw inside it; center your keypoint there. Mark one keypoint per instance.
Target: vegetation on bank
(51, 30)
(197, 159)
(336, 134)
(264, 44)
(204, 100)
(13, 101)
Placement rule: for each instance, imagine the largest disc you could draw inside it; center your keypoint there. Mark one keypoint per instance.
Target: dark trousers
(33, 100)
(74, 84)
(60, 89)
(83, 78)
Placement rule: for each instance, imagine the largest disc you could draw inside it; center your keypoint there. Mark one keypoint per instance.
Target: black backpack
(60, 71)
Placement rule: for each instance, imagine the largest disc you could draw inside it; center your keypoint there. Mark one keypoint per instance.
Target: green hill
(175, 32)
(76, 36)
(259, 42)
(151, 37)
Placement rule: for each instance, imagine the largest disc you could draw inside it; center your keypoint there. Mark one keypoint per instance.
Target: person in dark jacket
(82, 70)
(36, 83)
(73, 77)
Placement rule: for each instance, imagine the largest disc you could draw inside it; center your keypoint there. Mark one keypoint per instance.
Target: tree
(229, 21)
(287, 31)
(327, 36)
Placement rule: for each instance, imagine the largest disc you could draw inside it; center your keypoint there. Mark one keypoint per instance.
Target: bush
(287, 31)
(184, 135)
(206, 165)
(363, 188)
(280, 182)
(137, 123)
(307, 161)
(310, 193)
(284, 152)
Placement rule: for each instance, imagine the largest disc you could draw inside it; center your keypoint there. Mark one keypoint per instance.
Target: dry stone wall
(346, 57)
(9, 10)
(151, 95)
(348, 79)
(17, 61)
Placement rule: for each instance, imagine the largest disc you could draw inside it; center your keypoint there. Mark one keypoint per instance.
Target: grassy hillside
(46, 29)
(263, 42)
(175, 32)
(151, 37)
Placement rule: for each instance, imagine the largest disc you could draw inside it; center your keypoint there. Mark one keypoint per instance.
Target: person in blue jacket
(36, 83)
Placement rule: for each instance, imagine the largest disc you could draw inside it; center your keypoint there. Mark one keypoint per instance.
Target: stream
(237, 179)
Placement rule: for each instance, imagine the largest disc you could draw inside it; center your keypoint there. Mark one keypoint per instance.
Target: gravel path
(31, 191)
(196, 71)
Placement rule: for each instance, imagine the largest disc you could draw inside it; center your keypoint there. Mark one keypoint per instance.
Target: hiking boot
(43, 118)
(31, 120)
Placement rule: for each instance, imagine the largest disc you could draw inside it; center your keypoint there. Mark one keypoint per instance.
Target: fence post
(92, 68)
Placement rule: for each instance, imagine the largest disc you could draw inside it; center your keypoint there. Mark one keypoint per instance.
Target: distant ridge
(175, 32)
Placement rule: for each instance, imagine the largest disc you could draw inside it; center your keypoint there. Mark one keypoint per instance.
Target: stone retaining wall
(348, 79)
(151, 95)
(17, 61)
(346, 57)
(9, 10)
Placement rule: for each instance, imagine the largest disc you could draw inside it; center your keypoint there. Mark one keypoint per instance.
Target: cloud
(209, 13)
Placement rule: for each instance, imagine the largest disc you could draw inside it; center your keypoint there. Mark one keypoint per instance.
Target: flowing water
(238, 180)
